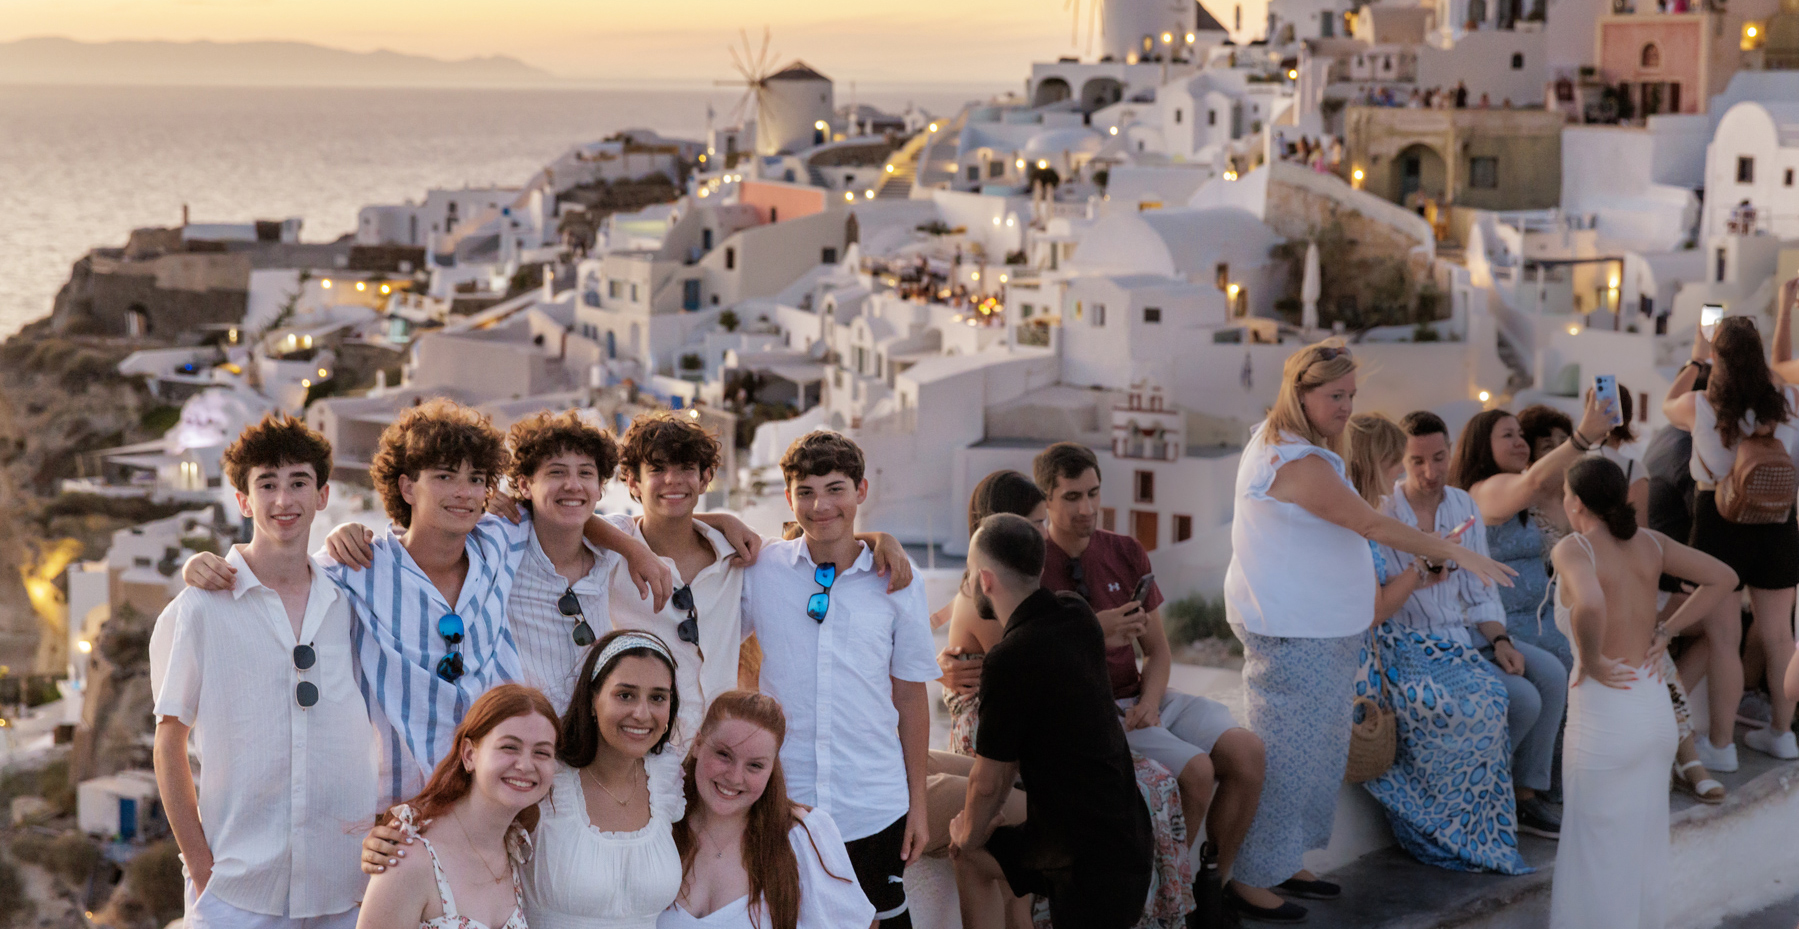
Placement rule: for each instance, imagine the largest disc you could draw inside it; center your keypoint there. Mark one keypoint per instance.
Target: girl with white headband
(605, 855)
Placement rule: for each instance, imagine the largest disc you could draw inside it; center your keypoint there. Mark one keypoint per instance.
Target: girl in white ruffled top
(605, 851)
(751, 858)
(478, 810)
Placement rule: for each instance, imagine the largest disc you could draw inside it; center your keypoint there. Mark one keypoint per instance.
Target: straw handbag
(1375, 740)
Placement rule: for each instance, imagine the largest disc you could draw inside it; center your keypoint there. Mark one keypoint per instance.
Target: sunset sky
(946, 41)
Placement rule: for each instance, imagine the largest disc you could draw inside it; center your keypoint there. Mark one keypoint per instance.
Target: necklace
(497, 878)
(718, 849)
(629, 791)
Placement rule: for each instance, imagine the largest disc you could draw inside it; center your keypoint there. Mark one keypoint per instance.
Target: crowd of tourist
(583, 722)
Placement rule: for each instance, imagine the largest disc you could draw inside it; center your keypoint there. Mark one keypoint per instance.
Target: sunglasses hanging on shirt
(689, 629)
(306, 693)
(1078, 574)
(819, 603)
(570, 605)
(449, 667)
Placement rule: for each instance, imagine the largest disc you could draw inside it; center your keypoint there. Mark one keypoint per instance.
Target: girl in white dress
(1611, 868)
(472, 820)
(752, 859)
(605, 851)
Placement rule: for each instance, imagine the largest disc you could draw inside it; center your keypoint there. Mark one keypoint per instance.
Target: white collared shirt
(1454, 607)
(835, 680)
(285, 793)
(717, 592)
(395, 611)
(549, 659)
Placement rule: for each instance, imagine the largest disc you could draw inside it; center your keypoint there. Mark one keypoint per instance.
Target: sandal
(1705, 790)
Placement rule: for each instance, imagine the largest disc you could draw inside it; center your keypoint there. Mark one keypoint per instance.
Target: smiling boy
(262, 676)
(848, 661)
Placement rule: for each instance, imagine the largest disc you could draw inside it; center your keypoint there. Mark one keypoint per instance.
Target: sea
(81, 167)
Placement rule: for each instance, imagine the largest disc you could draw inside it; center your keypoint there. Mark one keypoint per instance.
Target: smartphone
(1606, 388)
(1143, 586)
(1456, 533)
(1709, 314)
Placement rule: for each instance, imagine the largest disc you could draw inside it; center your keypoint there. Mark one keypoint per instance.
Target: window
(633, 293)
(1651, 57)
(1327, 24)
(1222, 275)
(1025, 310)
(1177, 116)
(1144, 529)
(773, 214)
(996, 168)
(1721, 266)
(141, 562)
(1483, 173)
(690, 295)
(1211, 117)
(1144, 486)
(706, 240)
(1099, 314)
(730, 258)
(1152, 314)
(1108, 519)
(1789, 177)
(1745, 169)
(974, 172)
(612, 289)
(1183, 525)
(1517, 61)
(827, 255)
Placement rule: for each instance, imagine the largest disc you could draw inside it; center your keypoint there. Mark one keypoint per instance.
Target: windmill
(755, 66)
(1093, 21)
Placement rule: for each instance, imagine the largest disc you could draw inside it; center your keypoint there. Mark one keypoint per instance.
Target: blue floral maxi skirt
(1448, 795)
(1298, 695)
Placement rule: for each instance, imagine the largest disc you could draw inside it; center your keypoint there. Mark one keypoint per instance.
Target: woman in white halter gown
(1611, 866)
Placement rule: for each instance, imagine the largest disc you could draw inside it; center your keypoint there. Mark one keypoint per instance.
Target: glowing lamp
(1292, 74)
(1042, 164)
(820, 125)
(933, 127)
(360, 285)
(326, 283)
(1484, 396)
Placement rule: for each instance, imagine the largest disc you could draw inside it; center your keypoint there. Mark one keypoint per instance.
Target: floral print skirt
(1171, 885)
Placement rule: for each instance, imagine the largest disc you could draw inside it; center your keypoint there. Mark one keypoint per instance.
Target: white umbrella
(1308, 290)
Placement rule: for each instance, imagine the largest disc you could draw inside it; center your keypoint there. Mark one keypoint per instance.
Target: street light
(1485, 396)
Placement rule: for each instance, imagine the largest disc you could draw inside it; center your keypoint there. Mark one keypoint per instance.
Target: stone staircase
(897, 183)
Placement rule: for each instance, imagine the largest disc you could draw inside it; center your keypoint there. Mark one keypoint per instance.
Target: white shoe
(1717, 760)
(1783, 746)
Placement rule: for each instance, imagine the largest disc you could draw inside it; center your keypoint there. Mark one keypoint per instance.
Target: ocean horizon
(81, 166)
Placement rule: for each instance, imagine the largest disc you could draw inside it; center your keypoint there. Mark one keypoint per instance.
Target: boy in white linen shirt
(263, 677)
(848, 662)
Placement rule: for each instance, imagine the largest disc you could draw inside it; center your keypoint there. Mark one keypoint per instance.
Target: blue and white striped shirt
(395, 609)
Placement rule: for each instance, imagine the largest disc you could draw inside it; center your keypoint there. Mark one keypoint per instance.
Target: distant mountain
(66, 61)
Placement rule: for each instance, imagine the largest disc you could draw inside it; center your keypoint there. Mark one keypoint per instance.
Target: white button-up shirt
(548, 657)
(1453, 607)
(395, 609)
(835, 680)
(285, 793)
(717, 592)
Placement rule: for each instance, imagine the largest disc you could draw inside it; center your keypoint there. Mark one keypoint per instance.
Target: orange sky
(919, 41)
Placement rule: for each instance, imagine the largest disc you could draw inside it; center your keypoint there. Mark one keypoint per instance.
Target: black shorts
(1764, 556)
(881, 869)
(1080, 897)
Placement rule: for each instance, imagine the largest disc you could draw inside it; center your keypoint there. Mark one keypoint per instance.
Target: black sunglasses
(306, 693)
(449, 667)
(689, 629)
(1331, 353)
(570, 605)
(819, 603)
(1078, 574)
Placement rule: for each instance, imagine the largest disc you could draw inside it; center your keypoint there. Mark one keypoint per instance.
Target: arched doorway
(1051, 90)
(1099, 93)
(137, 321)
(1418, 170)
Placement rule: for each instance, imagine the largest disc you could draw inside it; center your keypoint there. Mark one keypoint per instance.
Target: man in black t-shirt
(1048, 720)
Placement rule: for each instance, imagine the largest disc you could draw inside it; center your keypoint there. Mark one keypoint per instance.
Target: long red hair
(767, 855)
(451, 781)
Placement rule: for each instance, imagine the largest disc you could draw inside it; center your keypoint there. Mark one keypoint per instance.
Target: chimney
(184, 216)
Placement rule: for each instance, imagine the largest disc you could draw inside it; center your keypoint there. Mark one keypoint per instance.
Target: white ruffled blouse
(830, 898)
(583, 878)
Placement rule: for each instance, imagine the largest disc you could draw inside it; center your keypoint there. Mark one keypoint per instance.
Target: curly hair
(663, 438)
(1539, 421)
(1741, 382)
(439, 433)
(541, 436)
(278, 440)
(819, 453)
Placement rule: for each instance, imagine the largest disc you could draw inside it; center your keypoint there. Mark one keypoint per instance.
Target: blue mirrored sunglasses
(449, 625)
(819, 603)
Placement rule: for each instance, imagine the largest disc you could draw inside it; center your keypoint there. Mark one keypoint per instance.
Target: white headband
(627, 642)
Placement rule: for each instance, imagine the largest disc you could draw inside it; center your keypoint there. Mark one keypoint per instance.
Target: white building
(1750, 169)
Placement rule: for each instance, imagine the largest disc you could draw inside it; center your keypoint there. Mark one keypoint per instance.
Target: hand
(505, 507)
(1789, 292)
(381, 849)
(351, 545)
(1509, 659)
(1143, 715)
(1122, 624)
(891, 562)
(960, 831)
(1658, 646)
(209, 572)
(960, 675)
(747, 541)
(1608, 671)
(1428, 578)
(1484, 568)
(650, 573)
(918, 834)
(1702, 346)
(199, 871)
(1595, 418)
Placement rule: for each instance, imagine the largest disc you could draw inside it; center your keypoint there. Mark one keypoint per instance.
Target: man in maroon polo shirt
(1193, 737)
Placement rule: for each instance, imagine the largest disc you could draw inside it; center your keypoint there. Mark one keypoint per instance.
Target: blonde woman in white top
(1302, 628)
(750, 857)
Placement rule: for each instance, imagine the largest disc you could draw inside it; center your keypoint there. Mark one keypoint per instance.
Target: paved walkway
(1782, 915)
